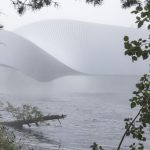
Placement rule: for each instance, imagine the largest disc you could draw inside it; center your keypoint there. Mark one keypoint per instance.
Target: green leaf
(134, 12)
(139, 8)
(144, 41)
(126, 38)
(127, 45)
(133, 104)
(140, 24)
(138, 18)
(140, 39)
(145, 7)
(134, 58)
(143, 14)
(126, 119)
(136, 43)
(138, 53)
(145, 55)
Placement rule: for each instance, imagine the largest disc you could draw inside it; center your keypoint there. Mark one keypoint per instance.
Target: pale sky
(109, 13)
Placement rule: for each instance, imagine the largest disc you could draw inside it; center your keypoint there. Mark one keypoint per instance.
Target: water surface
(95, 107)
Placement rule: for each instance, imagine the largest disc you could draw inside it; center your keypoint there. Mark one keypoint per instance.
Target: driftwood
(20, 123)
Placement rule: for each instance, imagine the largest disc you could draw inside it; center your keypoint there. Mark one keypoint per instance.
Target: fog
(22, 55)
(87, 77)
(51, 49)
(94, 105)
(87, 47)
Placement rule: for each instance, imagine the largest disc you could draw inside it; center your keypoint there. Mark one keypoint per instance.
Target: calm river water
(95, 107)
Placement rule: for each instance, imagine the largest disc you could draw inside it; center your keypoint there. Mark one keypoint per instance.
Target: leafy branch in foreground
(135, 127)
(137, 48)
(141, 47)
(141, 99)
(22, 5)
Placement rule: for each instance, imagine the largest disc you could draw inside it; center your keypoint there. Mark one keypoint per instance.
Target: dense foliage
(23, 5)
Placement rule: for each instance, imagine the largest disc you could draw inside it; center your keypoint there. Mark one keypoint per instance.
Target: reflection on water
(95, 107)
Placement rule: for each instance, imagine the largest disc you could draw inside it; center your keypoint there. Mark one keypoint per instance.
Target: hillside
(87, 47)
(21, 54)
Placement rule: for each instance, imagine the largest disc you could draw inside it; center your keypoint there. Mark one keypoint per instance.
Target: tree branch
(128, 129)
(20, 123)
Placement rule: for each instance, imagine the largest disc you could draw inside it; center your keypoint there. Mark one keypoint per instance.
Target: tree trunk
(20, 123)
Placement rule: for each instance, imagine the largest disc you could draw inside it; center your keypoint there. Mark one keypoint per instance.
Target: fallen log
(20, 123)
